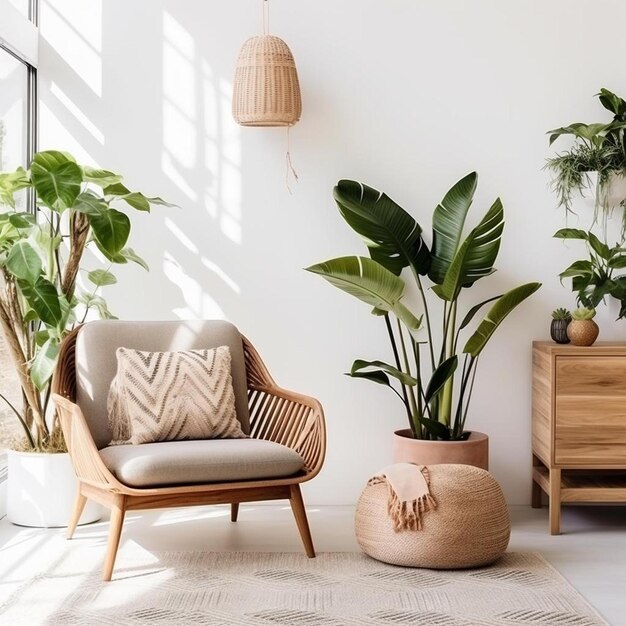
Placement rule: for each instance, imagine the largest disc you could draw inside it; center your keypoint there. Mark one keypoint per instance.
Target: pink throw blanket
(408, 494)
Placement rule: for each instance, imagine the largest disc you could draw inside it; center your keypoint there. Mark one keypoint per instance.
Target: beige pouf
(469, 527)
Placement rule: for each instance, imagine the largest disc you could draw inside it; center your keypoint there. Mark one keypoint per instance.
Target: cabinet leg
(535, 499)
(555, 501)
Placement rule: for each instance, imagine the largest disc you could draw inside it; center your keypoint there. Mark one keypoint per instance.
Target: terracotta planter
(474, 451)
(582, 332)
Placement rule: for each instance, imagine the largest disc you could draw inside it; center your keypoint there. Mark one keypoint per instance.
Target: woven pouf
(469, 527)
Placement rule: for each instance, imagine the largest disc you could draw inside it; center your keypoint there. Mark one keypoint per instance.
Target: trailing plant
(597, 147)
(423, 382)
(583, 313)
(598, 276)
(41, 255)
(561, 314)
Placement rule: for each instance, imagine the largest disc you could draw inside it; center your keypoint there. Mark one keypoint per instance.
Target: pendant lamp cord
(266, 17)
(290, 168)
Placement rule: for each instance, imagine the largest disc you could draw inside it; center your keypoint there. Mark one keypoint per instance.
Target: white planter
(41, 491)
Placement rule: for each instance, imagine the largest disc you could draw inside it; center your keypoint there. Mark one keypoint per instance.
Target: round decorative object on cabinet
(583, 332)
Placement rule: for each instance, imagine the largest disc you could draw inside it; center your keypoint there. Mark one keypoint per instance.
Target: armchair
(280, 422)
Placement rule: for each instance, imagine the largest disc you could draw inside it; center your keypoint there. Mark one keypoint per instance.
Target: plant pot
(473, 451)
(558, 331)
(582, 332)
(41, 491)
(614, 192)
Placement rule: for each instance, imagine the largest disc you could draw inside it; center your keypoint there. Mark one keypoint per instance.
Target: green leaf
(43, 298)
(435, 429)
(571, 233)
(496, 315)
(24, 262)
(101, 278)
(92, 301)
(440, 377)
(600, 248)
(12, 182)
(578, 268)
(617, 262)
(56, 178)
(90, 204)
(130, 255)
(102, 178)
(42, 367)
(393, 237)
(472, 312)
(22, 220)
(448, 221)
(376, 377)
(360, 364)
(134, 199)
(111, 230)
(370, 282)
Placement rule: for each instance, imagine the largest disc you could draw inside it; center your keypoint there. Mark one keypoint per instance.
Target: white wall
(405, 95)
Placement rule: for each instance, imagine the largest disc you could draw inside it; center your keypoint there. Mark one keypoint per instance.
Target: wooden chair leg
(299, 512)
(234, 511)
(555, 501)
(118, 510)
(77, 511)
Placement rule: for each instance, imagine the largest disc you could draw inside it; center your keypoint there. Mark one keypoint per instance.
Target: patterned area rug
(268, 589)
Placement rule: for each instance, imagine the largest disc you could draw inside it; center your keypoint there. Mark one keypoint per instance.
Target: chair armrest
(291, 419)
(88, 464)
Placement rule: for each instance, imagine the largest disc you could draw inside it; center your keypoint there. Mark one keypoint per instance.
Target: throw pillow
(168, 396)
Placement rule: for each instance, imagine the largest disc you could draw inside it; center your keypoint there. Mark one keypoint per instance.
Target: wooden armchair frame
(277, 415)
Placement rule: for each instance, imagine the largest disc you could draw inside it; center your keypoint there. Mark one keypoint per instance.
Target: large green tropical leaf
(448, 221)
(90, 204)
(111, 229)
(496, 315)
(476, 256)
(393, 237)
(368, 281)
(56, 178)
(101, 278)
(24, 262)
(43, 298)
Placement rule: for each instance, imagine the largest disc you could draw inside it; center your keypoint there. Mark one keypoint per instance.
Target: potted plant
(424, 370)
(582, 330)
(558, 328)
(600, 274)
(598, 149)
(44, 292)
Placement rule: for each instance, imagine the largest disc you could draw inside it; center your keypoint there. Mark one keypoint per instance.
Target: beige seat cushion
(206, 461)
(172, 396)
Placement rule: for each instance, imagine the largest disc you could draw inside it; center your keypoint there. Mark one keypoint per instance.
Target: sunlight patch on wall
(74, 109)
(198, 304)
(74, 30)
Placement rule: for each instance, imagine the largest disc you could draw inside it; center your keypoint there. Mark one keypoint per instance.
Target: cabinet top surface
(600, 347)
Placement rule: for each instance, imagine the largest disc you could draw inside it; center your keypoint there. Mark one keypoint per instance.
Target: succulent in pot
(582, 330)
(558, 328)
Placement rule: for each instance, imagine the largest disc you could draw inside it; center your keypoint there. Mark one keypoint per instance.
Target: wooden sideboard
(578, 425)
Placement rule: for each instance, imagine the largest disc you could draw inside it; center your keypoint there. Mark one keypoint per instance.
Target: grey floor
(591, 552)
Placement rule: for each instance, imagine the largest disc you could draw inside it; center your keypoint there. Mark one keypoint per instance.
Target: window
(18, 117)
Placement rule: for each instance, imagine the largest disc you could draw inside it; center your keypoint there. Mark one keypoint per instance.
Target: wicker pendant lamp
(266, 90)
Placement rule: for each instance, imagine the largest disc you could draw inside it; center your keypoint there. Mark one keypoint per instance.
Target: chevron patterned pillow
(168, 396)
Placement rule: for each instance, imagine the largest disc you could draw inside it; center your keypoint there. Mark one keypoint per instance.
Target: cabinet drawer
(591, 376)
(590, 410)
